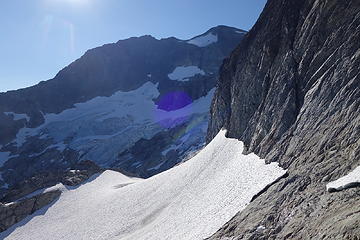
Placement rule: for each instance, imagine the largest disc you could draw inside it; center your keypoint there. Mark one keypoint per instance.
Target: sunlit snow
(350, 180)
(190, 201)
(184, 73)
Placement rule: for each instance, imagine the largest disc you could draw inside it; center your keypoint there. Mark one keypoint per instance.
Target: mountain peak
(216, 34)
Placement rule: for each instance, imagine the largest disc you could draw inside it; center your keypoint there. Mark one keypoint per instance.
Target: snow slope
(350, 180)
(205, 40)
(190, 201)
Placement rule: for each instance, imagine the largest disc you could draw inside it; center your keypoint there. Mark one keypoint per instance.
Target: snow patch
(260, 228)
(205, 40)
(59, 146)
(190, 201)
(4, 185)
(348, 181)
(4, 156)
(240, 32)
(17, 116)
(184, 73)
(166, 151)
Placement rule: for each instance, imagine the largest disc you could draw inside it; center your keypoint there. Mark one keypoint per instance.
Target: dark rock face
(29, 196)
(13, 213)
(291, 92)
(80, 173)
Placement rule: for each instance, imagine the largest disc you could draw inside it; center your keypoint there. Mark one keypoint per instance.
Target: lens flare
(169, 104)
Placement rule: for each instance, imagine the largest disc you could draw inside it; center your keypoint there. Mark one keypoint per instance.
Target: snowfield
(17, 116)
(190, 201)
(184, 73)
(205, 40)
(348, 181)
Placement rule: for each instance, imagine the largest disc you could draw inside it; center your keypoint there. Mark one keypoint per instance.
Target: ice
(4, 156)
(17, 116)
(190, 201)
(184, 73)
(103, 127)
(348, 181)
(204, 41)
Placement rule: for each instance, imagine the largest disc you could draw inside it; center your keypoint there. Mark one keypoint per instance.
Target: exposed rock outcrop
(39, 191)
(14, 212)
(291, 92)
(78, 174)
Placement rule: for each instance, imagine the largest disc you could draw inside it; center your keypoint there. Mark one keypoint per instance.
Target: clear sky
(40, 37)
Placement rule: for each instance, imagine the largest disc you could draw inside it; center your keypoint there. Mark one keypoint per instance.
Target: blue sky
(40, 37)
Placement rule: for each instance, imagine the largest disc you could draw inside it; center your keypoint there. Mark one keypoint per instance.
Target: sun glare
(70, 2)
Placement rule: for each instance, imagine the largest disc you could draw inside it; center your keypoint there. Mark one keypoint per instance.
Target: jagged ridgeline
(140, 105)
(291, 92)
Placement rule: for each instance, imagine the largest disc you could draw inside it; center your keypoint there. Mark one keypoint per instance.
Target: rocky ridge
(41, 190)
(295, 99)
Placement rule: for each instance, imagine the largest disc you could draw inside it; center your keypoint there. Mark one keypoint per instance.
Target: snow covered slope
(190, 201)
(348, 181)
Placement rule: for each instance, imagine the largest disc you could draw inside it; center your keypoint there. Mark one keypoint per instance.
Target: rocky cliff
(291, 92)
(140, 105)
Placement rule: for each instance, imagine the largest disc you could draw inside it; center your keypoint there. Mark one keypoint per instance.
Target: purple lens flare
(171, 102)
(174, 100)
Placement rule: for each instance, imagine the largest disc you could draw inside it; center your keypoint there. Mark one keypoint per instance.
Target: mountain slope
(113, 105)
(295, 99)
(189, 201)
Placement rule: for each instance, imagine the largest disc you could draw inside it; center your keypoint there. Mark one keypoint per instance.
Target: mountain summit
(139, 105)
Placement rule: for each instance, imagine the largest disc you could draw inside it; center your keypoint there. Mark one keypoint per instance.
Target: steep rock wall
(291, 92)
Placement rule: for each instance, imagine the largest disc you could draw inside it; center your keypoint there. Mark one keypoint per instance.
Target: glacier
(103, 127)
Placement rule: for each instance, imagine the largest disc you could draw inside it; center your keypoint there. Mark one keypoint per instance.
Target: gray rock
(29, 196)
(14, 212)
(79, 174)
(295, 99)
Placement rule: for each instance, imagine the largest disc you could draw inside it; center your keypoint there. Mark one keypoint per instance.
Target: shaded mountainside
(122, 66)
(291, 92)
(109, 105)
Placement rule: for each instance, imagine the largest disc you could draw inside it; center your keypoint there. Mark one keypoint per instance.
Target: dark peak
(222, 31)
(222, 28)
(141, 38)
